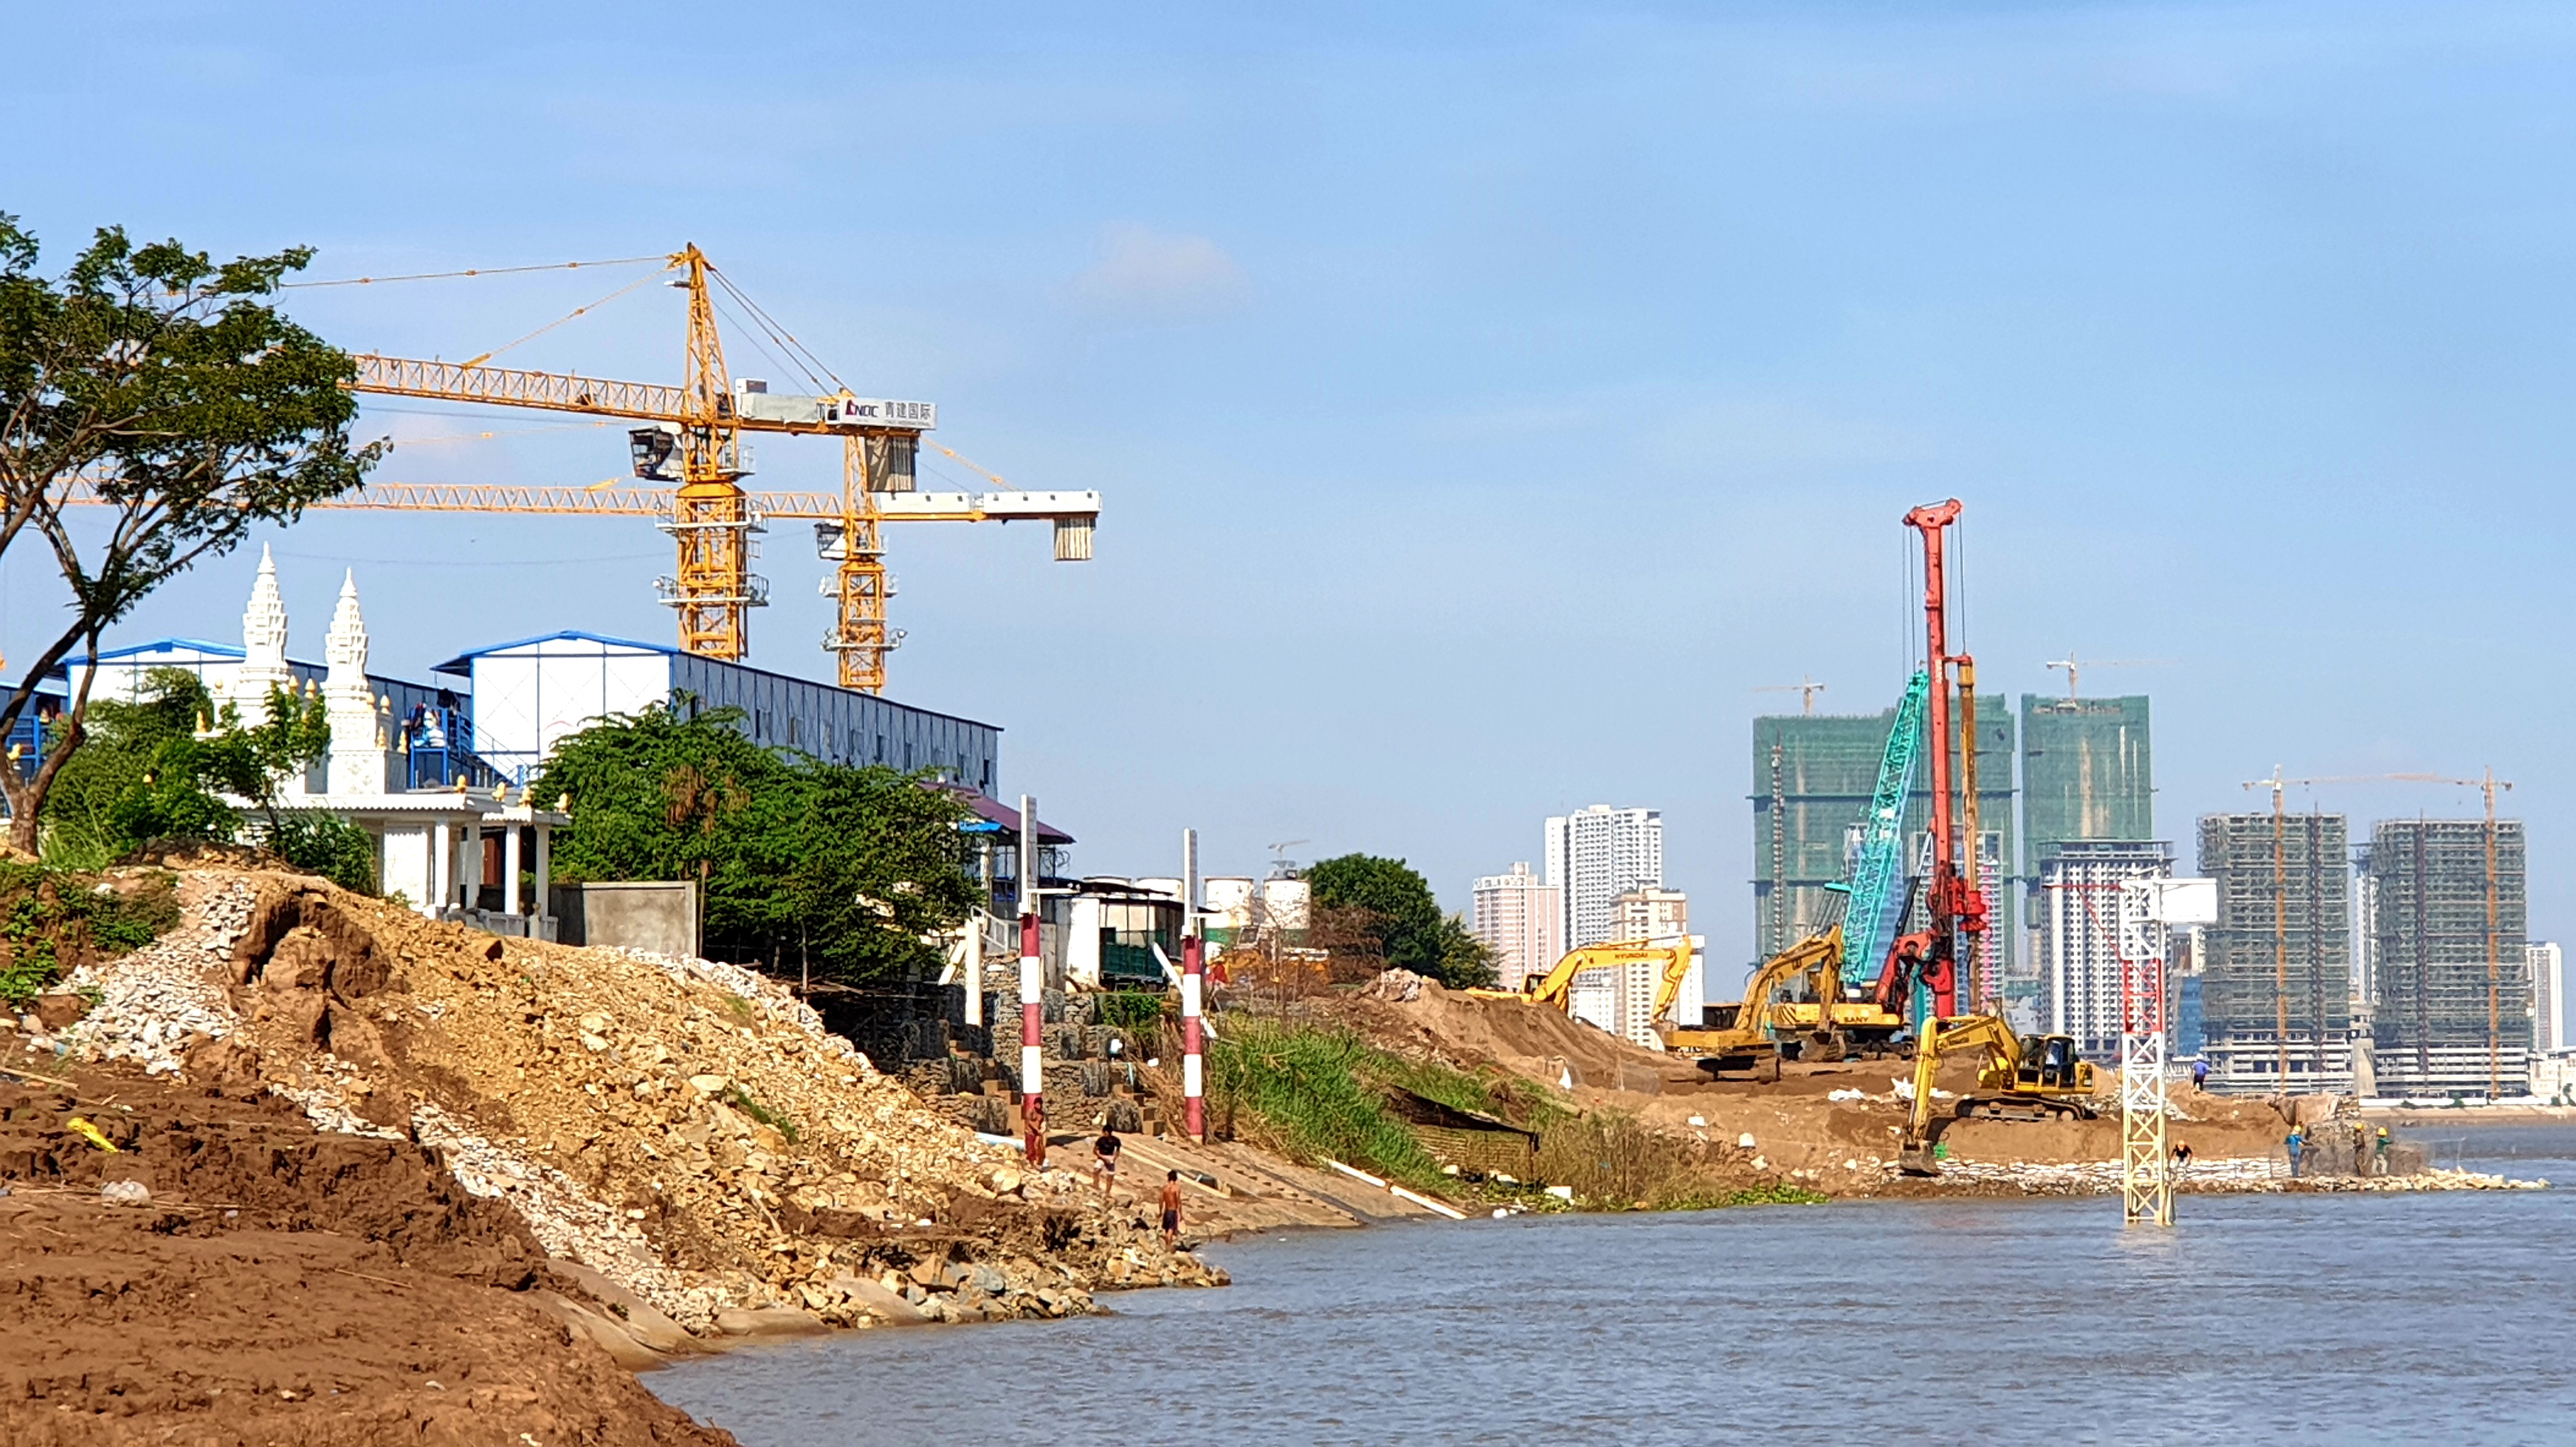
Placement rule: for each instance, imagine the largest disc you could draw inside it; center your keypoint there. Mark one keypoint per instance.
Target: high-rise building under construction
(2088, 815)
(2452, 989)
(2276, 969)
(1813, 778)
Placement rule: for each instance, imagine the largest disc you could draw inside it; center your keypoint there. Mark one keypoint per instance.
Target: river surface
(2398, 1318)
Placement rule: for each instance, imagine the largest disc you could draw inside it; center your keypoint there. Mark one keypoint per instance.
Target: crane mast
(1957, 907)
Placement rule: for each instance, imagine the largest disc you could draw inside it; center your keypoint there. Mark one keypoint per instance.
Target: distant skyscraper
(1596, 855)
(2079, 935)
(1650, 914)
(2087, 774)
(2440, 991)
(1519, 917)
(2281, 950)
(2551, 1018)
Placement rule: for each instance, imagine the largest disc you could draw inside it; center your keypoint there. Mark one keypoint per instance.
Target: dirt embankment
(681, 1139)
(275, 1285)
(1831, 1127)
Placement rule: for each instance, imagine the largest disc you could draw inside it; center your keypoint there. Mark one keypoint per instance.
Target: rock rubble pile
(685, 1128)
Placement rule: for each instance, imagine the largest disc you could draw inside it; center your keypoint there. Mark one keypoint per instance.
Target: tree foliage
(1397, 907)
(846, 871)
(150, 381)
(163, 767)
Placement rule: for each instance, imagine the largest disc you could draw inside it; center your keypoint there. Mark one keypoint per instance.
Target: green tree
(802, 863)
(150, 387)
(1400, 912)
(1466, 962)
(163, 767)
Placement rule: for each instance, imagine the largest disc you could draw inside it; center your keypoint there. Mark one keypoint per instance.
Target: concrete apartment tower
(2284, 918)
(1650, 914)
(2077, 912)
(2430, 1016)
(1596, 855)
(1521, 918)
(2553, 1055)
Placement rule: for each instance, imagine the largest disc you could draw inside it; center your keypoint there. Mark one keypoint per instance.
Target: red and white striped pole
(1193, 982)
(1032, 997)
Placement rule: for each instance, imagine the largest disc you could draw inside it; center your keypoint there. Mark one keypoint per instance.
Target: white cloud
(1151, 275)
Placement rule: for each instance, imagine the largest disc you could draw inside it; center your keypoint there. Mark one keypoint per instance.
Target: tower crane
(692, 446)
(2074, 666)
(1806, 688)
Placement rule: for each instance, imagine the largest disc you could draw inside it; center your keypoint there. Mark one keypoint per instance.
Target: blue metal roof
(464, 662)
(157, 645)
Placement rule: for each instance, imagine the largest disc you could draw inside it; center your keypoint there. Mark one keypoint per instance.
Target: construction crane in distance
(2074, 666)
(2487, 784)
(692, 445)
(1806, 688)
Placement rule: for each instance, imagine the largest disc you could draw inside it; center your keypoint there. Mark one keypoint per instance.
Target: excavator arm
(1558, 983)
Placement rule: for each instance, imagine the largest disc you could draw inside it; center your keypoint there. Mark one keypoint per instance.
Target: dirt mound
(688, 1129)
(1543, 1044)
(275, 1286)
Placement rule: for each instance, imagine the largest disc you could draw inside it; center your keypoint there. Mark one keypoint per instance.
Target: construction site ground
(1802, 1134)
(406, 1181)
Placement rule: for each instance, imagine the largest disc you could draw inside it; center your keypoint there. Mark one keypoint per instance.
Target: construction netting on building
(1813, 777)
(2087, 772)
(2450, 1016)
(2276, 974)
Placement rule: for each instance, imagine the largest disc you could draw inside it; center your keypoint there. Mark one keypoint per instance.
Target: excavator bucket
(1915, 1159)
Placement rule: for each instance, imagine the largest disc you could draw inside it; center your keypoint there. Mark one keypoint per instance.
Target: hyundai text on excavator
(2038, 1078)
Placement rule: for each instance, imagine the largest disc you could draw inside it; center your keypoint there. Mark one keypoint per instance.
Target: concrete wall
(660, 916)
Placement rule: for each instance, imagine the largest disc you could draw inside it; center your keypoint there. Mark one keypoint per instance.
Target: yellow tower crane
(693, 443)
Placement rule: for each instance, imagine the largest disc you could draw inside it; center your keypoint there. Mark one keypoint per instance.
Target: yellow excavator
(1554, 987)
(2034, 1078)
(1743, 1034)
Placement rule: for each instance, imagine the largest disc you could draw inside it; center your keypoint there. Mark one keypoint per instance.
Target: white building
(2079, 936)
(1520, 917)
(1596, 855)
(1621, 998)
(468, 853)
(1650, 914)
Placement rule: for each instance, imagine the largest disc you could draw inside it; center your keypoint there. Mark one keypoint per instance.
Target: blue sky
(1486, 399)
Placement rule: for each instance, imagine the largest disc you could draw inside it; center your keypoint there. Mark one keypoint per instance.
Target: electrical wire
(476, 271)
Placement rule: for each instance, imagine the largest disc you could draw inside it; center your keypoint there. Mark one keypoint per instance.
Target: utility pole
(1032, 993)
(1193, 986)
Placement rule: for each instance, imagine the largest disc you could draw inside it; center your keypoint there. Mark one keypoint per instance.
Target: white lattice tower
(2146, 1173)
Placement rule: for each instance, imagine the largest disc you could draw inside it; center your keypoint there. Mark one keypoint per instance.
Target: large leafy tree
(153, 410)
(1395, 904)
(847, 872)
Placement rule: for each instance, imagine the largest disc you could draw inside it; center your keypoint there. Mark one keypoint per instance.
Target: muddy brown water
(2396, 1318)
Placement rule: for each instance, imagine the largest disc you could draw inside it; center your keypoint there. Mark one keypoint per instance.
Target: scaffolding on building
(2276, 996)
(2449, 956)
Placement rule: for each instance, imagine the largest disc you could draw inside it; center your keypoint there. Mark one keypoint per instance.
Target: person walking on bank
(2298, 1144)
(1172, 1209)
(2200, 1075)
(1033, 1141)
(1104, 1158)
(2182, 1157)
(2380, 1167)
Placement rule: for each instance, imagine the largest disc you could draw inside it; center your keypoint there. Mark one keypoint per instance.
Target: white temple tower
(360, 760)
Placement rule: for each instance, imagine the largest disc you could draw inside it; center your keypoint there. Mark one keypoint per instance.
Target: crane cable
(474, 271)
(567, 316)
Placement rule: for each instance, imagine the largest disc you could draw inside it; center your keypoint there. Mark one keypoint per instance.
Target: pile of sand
(687, 1129)
(275, 1285)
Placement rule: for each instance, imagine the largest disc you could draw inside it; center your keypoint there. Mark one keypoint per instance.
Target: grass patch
(1312, 1093)
(52, 920)
(742, 1100)
(1130, 1009)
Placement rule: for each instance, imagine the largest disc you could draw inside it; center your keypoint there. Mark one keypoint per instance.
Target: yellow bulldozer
(2037, 1077)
